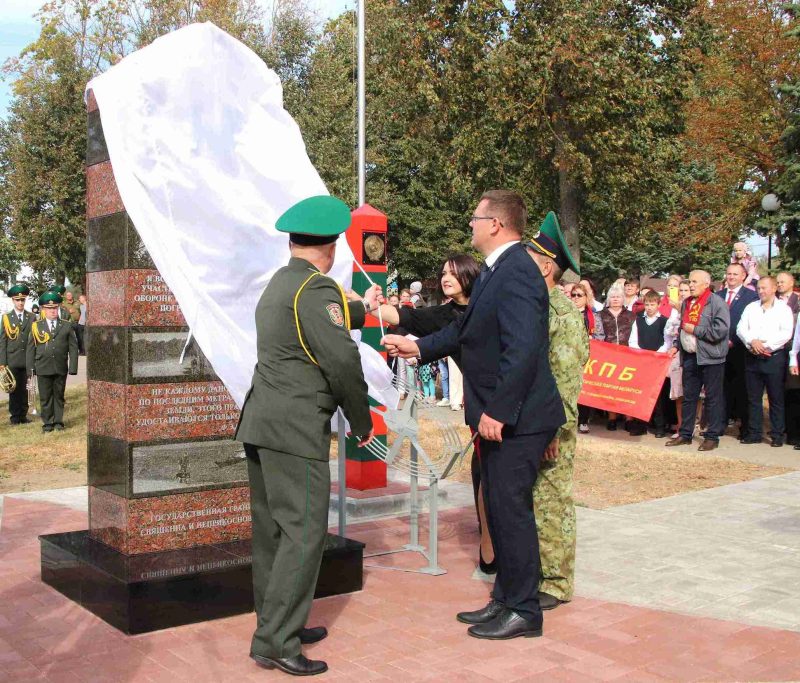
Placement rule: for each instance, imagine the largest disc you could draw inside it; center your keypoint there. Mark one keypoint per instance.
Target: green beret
(16, 290)
(316, 220)
(60, 289)
(50, 298)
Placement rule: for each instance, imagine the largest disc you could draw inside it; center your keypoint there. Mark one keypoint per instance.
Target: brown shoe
(678, 441)
(708, 445)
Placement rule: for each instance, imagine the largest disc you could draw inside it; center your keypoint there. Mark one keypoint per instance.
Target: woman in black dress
(456, 279)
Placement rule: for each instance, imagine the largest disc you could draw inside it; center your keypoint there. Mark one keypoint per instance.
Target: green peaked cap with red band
(551, 242)
(315, 220)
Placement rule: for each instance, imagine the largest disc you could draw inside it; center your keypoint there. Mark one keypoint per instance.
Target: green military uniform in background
(15, 328)
(307, 366)
(52, 353)
(553, 504)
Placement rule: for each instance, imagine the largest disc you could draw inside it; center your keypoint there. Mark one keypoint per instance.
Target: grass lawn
(31, 460)
(607, 473)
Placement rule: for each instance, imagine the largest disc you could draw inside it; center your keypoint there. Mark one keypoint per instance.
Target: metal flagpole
(362, 121)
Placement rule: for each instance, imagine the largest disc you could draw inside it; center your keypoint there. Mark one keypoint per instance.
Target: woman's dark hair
(466, 270)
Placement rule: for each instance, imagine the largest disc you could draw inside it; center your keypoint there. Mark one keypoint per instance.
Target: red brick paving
(400, 628)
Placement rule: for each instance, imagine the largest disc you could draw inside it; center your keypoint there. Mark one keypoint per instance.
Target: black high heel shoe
(487, 567)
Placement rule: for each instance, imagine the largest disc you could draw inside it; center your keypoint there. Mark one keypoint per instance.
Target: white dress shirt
(491, 259)
(669, 337)
(727, 293)
(772, 326)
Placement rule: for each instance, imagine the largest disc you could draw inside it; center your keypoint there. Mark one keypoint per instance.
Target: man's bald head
(785, 282)
(699, 282)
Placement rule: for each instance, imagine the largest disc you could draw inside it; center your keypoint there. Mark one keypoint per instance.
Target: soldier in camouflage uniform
(569, 350)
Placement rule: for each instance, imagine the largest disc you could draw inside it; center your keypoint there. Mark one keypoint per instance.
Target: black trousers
(79, 333)
(18, 399)
(659, 416)
(770, 374)
(736, 402)
(584, 413)
(51, 396)
(695, 377)
(508, 473)
(792, 411)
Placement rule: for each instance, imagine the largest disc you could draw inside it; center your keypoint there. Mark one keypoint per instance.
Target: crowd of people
(744, 343)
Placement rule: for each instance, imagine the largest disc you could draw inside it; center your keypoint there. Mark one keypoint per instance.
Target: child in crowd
(650, 332)
(743, 255)
(427, 377)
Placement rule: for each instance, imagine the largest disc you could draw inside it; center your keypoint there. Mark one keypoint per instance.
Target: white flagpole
(362, 121)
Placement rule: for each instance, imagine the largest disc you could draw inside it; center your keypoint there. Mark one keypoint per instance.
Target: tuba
(7, 380)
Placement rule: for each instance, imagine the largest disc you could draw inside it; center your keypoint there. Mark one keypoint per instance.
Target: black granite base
(142, 593)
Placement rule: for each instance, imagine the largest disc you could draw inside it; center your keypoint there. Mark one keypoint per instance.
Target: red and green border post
(364, 470)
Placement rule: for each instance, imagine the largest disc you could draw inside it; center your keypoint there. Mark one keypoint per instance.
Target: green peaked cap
(319, 220)
(16, 290)
(551, 242)
(50, 298)
(60, 289)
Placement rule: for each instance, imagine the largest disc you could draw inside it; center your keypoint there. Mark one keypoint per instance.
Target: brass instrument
(32, 393)
(7, 380)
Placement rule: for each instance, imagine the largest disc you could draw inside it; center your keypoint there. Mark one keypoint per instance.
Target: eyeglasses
(577, 295)
(482, 218)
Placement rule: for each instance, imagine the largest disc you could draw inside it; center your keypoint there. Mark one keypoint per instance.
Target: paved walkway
(401, 627)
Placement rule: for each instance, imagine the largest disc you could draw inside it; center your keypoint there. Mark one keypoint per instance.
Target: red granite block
(153, 412)
(106, 414)
(102, 195)
(106, 290)
(91, 102)
(149, 301)
(185, 410)
(145, 525)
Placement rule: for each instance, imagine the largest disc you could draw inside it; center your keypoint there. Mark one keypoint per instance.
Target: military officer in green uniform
(52, 352)
(308, 365)
(63, 311)
(15, 327)
(553, 504)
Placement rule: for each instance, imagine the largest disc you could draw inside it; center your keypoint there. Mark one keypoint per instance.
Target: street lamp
(770, 203)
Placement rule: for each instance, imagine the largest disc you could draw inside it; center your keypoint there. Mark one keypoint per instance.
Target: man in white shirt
(765, 328)
(794, 370)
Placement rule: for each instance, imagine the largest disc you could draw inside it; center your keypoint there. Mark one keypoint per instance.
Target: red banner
(623, 380)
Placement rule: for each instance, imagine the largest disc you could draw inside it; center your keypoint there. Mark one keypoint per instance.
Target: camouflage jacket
(569, 351)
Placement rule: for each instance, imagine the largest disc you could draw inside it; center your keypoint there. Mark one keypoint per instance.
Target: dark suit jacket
(504, 343)
(743, 297)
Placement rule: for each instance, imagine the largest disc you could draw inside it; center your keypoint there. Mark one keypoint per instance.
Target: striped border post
(367, 239)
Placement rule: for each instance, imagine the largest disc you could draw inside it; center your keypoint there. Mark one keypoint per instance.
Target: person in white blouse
(765, 329)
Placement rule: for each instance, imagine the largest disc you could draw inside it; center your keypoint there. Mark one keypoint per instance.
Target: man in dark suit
(15, 326)
(52, 353)
(737, 296)
(510, 399)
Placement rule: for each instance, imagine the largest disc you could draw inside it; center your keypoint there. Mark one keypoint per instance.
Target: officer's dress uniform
(15, 329)
(52, 353)
(307, 366)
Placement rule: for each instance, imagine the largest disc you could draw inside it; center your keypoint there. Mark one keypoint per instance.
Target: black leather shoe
(487, 567)
(678, 441)
(59, 427)
(797, 447)
(750, 440)
(313, 635)
(299, 665)
(660, 435)
(47, 428)
(481, 616)
(506, 625)
(23, 421)
(611, 425)
(547, 601)
(708, 445)
(776, 443)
